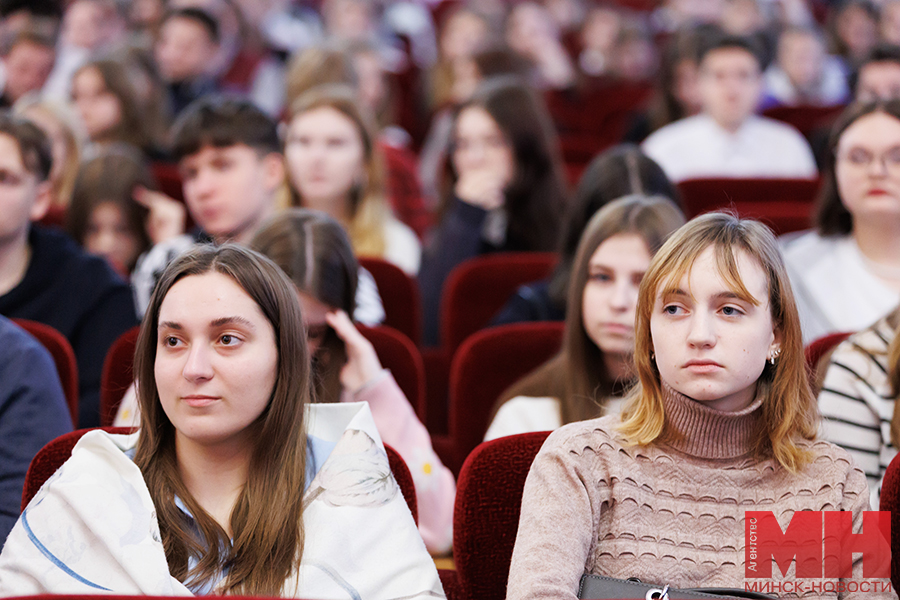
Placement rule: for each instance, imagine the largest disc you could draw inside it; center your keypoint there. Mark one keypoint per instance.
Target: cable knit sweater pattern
(671, 512)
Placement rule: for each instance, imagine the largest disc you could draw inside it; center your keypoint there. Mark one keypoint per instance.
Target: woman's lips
(702, 366)
(618, 328)
(198, 401)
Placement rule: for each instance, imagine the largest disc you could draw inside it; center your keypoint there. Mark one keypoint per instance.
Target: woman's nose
(702, 331)
(198, 366)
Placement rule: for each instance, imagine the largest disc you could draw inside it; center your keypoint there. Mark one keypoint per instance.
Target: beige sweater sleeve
(562, 499)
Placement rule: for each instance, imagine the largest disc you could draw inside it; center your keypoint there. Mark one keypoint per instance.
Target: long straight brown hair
(267, 517)
(577, 375)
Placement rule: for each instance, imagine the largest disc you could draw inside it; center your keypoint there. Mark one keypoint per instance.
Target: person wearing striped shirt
(857, 400)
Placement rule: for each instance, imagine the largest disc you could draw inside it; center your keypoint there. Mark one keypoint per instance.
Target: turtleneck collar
(698, 430)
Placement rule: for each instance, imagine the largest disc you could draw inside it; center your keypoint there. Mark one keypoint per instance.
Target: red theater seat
(117, 374)
(785, 205)
(478, 288)
(486, 514)
(63, 356)
(485, 365)
(400, 296)
(398, 354)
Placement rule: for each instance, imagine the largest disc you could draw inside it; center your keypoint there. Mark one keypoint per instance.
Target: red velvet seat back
(117, 374)
(591, 120)
(890, 501)
(485, 365)
(785, 205)
(63, 357)
(479, 287)
(818, 349)
(400, 295)
(806, 119)
(169, 179)
(486, 514)
(56, 452)
(398, 354)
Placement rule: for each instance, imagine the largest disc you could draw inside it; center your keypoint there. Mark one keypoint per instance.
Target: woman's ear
(42, 201)
(274, 170)
(775, 346)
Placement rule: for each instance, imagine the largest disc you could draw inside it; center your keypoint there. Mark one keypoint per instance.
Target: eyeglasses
(862, 159)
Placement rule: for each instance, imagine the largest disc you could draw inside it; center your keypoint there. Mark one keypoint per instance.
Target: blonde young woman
(722, 421)
(334, 166)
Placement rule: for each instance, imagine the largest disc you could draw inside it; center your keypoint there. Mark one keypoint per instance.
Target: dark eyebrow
(733, 296)
(170, 325)
(232, 321)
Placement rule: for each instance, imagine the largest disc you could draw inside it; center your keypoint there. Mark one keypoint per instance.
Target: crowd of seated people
(221, 173)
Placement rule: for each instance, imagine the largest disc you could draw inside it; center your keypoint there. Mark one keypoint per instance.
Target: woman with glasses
(846, 273)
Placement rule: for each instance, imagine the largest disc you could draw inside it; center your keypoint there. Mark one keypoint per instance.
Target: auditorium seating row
(486, 513)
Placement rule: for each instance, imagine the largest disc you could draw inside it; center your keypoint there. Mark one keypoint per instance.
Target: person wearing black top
(44, 275)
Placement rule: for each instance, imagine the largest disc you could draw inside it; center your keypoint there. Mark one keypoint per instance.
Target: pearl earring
(775, 353)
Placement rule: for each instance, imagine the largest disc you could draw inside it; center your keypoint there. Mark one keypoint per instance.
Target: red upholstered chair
(473, 293)
(785, 205)
(806, 119)
(486, 514)
(397, 353)
(890, 501)
(479, 287)
(63, 356)
(117, 375)
(485, 365)
(55, 217)
(404, 189)
(400, 295)
(591, 120)
(169, 179)
(56, 452)
(820, 349)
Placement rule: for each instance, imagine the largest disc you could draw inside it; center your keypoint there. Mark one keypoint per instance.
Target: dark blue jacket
(33, 411)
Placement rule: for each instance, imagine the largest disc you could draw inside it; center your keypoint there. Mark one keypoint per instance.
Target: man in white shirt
(727, 139)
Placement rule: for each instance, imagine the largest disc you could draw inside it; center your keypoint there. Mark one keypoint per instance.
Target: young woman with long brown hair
(505, 191)
(590, 374)
(722, 421)
(234, 484)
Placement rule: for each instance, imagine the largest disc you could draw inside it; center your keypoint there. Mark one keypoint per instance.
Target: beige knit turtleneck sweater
(669, 513)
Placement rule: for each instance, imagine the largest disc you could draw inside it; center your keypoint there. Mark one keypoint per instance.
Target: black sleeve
(98, 328)
(458, 237)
